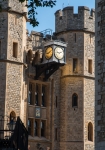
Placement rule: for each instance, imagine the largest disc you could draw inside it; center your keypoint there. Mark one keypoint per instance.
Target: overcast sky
(46, 15)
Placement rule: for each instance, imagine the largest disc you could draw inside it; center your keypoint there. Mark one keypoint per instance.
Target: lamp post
(11, 125)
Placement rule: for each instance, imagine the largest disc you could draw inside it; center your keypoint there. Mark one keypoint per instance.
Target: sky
(46, 15)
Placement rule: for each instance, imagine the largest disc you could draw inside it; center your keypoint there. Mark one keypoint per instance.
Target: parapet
(67, 19)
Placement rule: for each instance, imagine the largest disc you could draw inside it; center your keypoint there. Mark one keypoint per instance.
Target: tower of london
(59, 111)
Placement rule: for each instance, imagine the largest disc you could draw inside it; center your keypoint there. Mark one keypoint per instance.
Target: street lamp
(11, 125)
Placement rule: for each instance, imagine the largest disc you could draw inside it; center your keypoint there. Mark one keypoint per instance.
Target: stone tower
(74, 90)
(100, 75)
(12, 46)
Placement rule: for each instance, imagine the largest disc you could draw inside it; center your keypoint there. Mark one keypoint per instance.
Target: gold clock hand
(48, 52)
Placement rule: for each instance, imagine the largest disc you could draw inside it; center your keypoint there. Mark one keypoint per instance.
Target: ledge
(11, 61)
(82, 76)
(37, 139)
(75, 30)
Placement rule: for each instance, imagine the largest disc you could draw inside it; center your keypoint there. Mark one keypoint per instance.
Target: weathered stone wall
(71, 120)
(89, 53)
(66, 19)
(2, 87)
(100, 76)
(12, 29)
(89, 111)
(74, 50)
(16, 5)
(3, 3)
(82, 48)
(56, 110)
(3, 34)
(13, 91)
(15, 34)
(3, 53)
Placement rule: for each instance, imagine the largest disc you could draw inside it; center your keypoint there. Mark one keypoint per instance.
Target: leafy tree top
(32, 6)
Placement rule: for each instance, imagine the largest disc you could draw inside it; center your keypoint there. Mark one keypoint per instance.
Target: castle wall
(15, 34)
(71, 119)
(13, 29)
(56, 109)
(2, 87)
(66, 19)
(89, 112)
(100, 76)
(74, 50)
(78, 31)
(89, 53)
(13, 91)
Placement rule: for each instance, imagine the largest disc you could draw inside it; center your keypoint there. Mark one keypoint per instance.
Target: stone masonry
(73, 128)
(11, 31)
(100, 75)
(66, 127)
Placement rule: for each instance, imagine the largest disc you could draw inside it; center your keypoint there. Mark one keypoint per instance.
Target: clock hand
(48, 52)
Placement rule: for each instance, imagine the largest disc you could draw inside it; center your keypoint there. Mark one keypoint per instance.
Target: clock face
(38, 112)
(59, 53)
(48, 52)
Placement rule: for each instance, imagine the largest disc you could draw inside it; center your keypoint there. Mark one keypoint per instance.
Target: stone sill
(36, 138)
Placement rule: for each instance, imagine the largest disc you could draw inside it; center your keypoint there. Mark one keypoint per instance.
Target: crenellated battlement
(13, 5)
(66, 19)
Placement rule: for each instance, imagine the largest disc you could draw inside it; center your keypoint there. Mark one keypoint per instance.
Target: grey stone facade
(100, 76)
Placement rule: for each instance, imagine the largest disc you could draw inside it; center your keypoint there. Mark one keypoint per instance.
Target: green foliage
(32, 6)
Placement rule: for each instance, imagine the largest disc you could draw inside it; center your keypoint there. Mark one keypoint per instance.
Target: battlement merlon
(67, 19)
(14, 5)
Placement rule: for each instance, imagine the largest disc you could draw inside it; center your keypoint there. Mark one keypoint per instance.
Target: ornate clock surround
(54, 56)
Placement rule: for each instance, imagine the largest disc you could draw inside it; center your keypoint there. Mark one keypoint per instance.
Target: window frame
(75, 71)
(73, 103)
(90, 64)
(90, 132)
(15, 49)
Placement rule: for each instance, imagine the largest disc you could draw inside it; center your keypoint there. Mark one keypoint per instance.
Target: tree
(32, 6)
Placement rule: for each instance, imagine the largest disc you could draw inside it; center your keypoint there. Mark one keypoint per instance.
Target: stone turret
(66, 19)
(13, 44)
(77, 79)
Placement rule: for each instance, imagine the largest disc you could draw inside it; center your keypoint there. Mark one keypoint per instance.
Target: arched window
(90, 131)
(12, 116)
(74, 100)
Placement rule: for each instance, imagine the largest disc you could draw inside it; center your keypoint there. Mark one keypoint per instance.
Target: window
(0, 49)
(90, 131)
(90, 66)
(56, 134)
(30, 94)
(36, 95)
(56, 101)
(29, 126)
(15, 49)
(43, 128)
(75, 65)
(12, 116)
(43, 95)
(74, 100)
(75, 37)
(36, 128)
